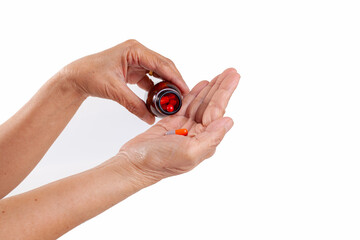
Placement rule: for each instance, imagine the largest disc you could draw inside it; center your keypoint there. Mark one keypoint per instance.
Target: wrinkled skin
(158, 155)
(52, 210)
(107, 73)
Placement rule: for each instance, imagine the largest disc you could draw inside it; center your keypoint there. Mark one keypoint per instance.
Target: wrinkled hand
(106, 75)
(158, 156)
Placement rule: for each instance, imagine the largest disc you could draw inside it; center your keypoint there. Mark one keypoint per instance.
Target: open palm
(160, 155)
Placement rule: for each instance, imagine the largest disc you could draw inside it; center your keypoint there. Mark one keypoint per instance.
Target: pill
(170, 108)
(172, 102)
(164, 100)
(171, 96)
(182, 131)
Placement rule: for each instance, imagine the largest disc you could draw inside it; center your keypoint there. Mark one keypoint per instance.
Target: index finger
(163, 67)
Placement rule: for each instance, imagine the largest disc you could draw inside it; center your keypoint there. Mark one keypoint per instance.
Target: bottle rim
(158, 97)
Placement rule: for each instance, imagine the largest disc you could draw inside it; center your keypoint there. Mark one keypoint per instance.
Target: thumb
(212, 136)
(133, 103)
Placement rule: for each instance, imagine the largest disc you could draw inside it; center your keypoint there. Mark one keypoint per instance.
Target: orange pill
(183, 132)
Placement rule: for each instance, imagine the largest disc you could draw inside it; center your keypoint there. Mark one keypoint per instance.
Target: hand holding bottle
(106, 75)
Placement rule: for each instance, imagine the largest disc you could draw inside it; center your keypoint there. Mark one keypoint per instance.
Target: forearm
(52, 210)
(25, 137)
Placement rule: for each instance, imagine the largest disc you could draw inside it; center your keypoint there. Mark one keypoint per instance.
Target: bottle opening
(169, 102)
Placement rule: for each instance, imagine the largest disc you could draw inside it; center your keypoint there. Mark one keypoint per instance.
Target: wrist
(64, 81)
(123, 167)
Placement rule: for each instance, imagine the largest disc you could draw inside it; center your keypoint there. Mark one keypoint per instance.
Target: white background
(289, 168)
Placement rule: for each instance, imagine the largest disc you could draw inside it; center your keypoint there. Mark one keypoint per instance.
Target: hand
(157, 155)
(106, 75)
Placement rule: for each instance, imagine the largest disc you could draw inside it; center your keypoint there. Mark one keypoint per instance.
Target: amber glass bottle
(164, 99)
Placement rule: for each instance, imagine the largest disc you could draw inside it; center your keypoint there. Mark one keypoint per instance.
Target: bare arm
(52, 210)
(25, 138)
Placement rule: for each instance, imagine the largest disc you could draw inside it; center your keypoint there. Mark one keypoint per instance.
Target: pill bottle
(164, 99)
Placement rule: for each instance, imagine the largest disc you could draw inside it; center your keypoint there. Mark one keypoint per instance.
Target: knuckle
(120, 99)
(169, 61)
(164, 62)
(132, 107)
(132, 42)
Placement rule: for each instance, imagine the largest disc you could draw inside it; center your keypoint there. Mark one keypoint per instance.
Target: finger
(133, 103)
(214, 88)
(166, 70)
(191, 96)
(207, 141)
(195, 103)
(217, 104)
(135, 74)
(162, 67)
(145, 83)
